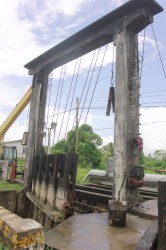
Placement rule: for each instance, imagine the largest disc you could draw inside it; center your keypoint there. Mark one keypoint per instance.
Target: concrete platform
(92, 232)
(147, 209)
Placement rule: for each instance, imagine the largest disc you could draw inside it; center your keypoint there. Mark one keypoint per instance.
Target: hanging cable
(89, 85)
(64, 69)
(143, 51)
(158, 51)
(49, 86)
(68, 98)
(73, 96)
(96, 82)
(27, 119)
(111, 97)
(49, 93)
(86, 80)
(56, 99)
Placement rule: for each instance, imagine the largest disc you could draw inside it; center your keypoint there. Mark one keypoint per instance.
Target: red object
(135, 182)
(13, 172)
(138, 142)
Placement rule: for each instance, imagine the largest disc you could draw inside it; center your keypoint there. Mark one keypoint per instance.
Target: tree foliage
(88, 151)
(155, 162)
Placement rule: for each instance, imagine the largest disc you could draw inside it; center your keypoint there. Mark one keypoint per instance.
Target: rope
(96, 82)
(112, 70)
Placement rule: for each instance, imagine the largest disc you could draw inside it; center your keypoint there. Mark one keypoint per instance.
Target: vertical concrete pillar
(162, 214)
(36, 123)
(126, 114)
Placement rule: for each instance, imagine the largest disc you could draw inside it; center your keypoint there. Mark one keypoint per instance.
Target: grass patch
(81, 174)
(2, 247)
(4, 185)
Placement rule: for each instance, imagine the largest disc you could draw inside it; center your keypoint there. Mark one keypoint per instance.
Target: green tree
(107, 151)
(88, 152)
(160, 154)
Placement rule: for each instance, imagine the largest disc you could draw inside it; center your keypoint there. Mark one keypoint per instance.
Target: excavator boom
(15, 113)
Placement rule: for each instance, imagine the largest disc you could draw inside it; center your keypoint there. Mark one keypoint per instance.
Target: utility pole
(77, 125)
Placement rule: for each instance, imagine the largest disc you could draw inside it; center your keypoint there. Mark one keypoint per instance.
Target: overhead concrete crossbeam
(97, 34)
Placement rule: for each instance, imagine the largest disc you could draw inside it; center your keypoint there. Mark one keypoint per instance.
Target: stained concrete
(92, 232)
(147, 209)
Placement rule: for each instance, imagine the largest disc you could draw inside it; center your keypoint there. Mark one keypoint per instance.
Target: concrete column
(36, 123)
(126, 113)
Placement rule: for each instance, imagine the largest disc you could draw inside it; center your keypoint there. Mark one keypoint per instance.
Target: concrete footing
(18, 233)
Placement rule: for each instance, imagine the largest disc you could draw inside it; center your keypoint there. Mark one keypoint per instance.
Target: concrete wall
(14, 201)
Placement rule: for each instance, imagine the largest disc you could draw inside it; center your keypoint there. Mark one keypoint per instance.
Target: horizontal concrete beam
(96, 35)
(18, 233)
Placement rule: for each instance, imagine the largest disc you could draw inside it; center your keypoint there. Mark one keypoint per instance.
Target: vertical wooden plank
(35, 171)
(42, 176)
(49, 173)
(162, 214)
(36, 123)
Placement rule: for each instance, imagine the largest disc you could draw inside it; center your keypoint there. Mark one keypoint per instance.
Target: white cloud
(154, 132)
(107, 140)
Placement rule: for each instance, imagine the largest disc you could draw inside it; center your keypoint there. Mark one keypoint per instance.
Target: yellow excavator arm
(15, 113)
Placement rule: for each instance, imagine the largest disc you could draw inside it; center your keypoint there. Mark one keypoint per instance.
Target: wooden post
(126, 114)
(36, 123)
(162, 214)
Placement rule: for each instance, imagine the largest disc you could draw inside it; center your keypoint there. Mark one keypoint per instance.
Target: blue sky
(29, 28)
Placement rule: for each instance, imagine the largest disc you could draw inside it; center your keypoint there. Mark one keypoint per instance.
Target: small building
(21, 149)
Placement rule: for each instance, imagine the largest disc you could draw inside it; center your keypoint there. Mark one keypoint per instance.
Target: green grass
(4, 185)
(2, 247)
(81, 174)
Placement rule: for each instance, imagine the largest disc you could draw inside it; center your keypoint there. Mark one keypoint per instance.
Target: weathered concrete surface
(149, 240)
(8, 199)
(91, 231)
(14, 201)
(18, 233)
(147, 210)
